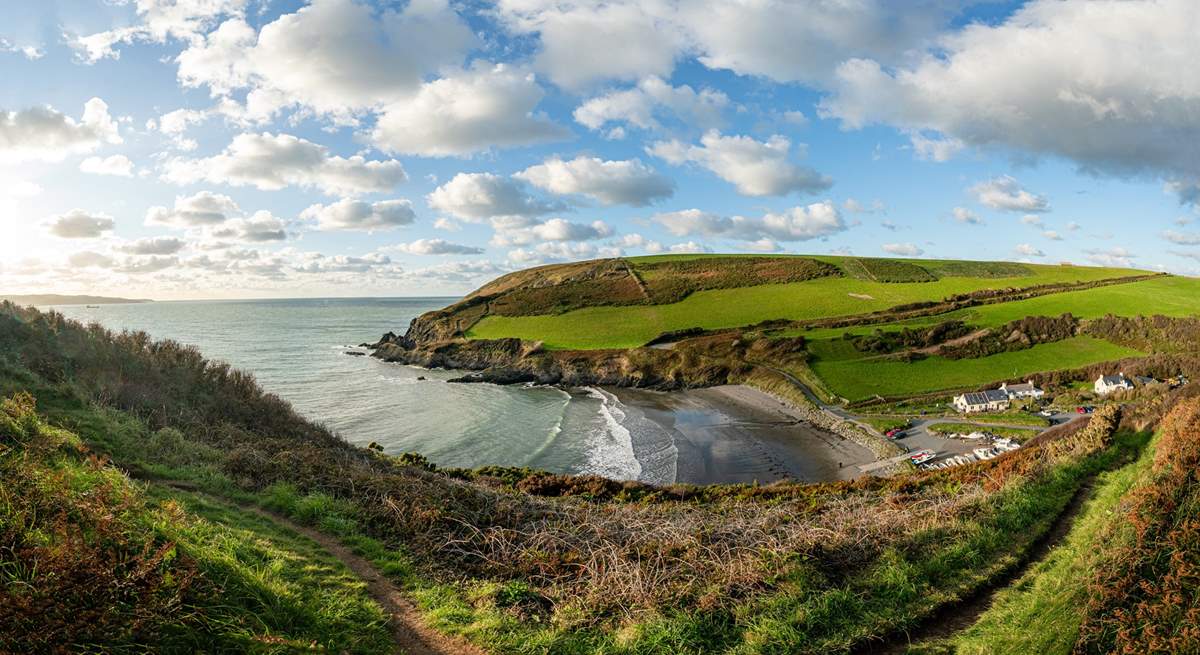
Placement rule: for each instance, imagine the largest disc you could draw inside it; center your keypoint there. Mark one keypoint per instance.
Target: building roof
(1024, 386)
(984, 397)
(1114, 379)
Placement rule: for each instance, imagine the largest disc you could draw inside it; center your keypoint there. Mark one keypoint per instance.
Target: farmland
(633, 325)
(861, 378)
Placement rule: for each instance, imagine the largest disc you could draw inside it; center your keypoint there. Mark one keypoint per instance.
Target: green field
(1168, 296)
(858, 379)
(631, 326)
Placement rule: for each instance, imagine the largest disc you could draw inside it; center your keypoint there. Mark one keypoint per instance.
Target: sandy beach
(731, 434)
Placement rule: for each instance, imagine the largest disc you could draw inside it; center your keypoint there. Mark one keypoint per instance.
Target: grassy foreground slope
(633, 325)
(520, 561)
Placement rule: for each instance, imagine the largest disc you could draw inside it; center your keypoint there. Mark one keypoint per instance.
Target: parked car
(1081, 410)
(1047, 413)
(895, 433)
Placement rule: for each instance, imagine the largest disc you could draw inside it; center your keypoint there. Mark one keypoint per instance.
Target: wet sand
(734, 434)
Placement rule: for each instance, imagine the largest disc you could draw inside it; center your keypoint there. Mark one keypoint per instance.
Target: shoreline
(733, 434)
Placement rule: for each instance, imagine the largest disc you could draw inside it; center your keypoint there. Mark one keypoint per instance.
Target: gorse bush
(1144, 596)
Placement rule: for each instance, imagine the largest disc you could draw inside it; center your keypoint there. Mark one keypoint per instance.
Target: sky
(185, 149)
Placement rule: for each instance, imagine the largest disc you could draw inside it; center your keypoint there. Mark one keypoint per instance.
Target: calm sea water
(296, 349)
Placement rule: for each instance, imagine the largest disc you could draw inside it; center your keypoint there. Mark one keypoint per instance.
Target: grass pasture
(631, 326)
(860, 379)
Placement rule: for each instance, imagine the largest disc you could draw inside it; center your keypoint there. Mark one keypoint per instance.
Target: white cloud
(1052, 235)
(755, 168)
(855, 207)
(30, 52)
(628, 182)
(79, 224)
(1114, 257)
(476, 196)
(689, 247)
(335, 57)
(43, 134)
(1006, 194)
(152, 246)
(470, 111)
(1029, 250)
(203, 208)
(520, 231)
(814, 221)
(784, 41)
(259, 227)
(642, 106)
(437, 247)
(272, 162)
(1095, 82)
(1182, 238)
(351, 214)
(584, 42)
(934, 149)
(966, 216)
(1031, 219)
(635, 240)
(903, 249)
(159, 20)
(762, 245)
(118, 165)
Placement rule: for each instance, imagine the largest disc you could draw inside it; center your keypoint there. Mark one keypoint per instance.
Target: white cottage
(992, 400)
(1106, 384)
(1023, 390)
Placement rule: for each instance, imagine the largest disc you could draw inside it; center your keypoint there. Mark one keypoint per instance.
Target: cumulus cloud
(634, 240)
(1006, 194)
(1029, 250)
(855, 207)
(903, 249)
(519, 231)
(1052, 235)
(628, 182)
(471, 111)
(477, 196)
(436, 247)
(259, 227)
(44, 134)
(351, 214)
(158, 21)
(784, 41)
(334, 57)
(755, 168)
(118, 165)
(650, 101)
(966, 216)
(635, 42)
(1114, 257)
(203, 208)
(1031, 219)
(460, 272)
(274, 161)
(152, 246)
(1095, 82)
(934, 149)
(814, 221)
(79, 224)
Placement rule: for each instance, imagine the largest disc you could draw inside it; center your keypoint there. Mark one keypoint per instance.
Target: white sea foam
(610, 444)
(556, 429)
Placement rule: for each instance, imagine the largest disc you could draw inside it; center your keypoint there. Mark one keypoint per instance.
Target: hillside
(850, 328)
(241, 526)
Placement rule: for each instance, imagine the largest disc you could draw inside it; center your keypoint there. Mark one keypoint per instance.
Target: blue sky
(254, 148)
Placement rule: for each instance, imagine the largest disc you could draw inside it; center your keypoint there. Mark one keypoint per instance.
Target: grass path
(411, 634)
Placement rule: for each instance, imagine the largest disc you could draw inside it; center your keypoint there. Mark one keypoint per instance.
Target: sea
(298, 349)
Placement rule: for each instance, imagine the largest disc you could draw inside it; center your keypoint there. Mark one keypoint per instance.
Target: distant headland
(57, 299)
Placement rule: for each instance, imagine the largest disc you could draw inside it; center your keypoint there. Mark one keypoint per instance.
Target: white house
(1023, 390)
(992, 400)
(1106, 384)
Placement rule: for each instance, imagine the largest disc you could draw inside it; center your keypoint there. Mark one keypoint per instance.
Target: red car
(1081, 410)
